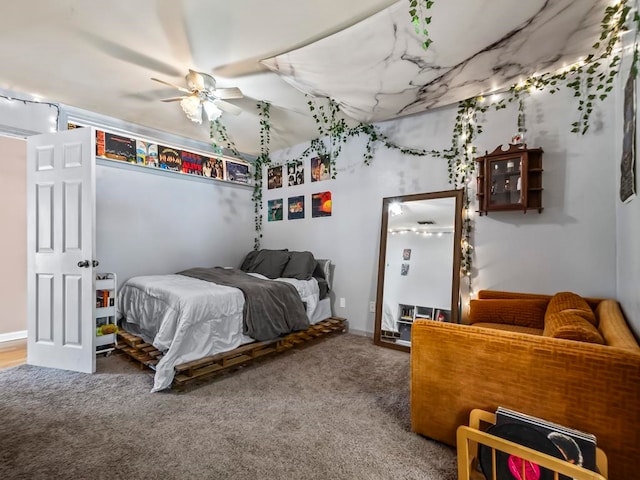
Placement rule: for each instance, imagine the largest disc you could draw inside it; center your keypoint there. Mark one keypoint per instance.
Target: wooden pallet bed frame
(186, 373)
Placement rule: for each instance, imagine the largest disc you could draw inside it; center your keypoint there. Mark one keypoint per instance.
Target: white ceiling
(100, 56)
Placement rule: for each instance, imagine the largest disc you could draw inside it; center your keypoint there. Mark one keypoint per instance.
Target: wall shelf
(510, 180)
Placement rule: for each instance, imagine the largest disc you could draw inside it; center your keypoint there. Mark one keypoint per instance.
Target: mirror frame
(382, 260)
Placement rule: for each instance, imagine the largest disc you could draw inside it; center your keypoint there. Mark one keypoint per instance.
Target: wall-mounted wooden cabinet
(510, 180)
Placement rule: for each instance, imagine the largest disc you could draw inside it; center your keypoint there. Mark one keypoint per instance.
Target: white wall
(13, 252)
(627, 218)
(570, 246)
(155, 224)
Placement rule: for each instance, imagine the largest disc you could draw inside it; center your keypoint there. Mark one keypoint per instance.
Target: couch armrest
(594, 388)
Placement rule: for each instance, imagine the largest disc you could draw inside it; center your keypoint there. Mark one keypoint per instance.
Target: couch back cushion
(571, 326)
(573, 303)
(526, 312)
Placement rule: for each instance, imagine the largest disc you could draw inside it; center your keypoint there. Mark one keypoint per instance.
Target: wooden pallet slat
(148, 356)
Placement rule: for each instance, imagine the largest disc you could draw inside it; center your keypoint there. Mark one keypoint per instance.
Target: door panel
(60, 234)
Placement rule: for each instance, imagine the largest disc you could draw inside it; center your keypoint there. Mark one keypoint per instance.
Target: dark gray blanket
(271, 308)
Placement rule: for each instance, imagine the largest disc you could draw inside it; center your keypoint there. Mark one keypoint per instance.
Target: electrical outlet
(372, 307)
(342, 302)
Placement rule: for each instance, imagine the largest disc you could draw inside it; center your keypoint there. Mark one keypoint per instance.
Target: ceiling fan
(202, 96)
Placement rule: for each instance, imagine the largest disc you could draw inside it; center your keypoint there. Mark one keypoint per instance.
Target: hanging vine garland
(262, 161)
(219, 136)
(418, 12)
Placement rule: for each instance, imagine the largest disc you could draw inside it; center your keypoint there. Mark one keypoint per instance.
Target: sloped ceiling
(362, 53)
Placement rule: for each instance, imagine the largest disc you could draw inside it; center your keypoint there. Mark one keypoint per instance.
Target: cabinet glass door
(506, 181)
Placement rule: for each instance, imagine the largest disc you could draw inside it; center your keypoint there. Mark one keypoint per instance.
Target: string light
(54, 119)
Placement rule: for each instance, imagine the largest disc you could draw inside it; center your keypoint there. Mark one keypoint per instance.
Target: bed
(201, 312)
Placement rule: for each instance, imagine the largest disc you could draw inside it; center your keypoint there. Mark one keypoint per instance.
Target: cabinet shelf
(105, 312)
(510, 180)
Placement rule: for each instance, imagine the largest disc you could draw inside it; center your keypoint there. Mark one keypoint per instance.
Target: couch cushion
(509, 328)
(523, 312)
(571, 326)
(569, 301)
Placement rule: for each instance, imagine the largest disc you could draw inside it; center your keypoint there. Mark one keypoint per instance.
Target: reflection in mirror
(419, 264)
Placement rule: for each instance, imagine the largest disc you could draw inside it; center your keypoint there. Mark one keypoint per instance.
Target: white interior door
(60, 238)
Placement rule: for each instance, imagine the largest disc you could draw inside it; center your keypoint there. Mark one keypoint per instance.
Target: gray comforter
(271, 308)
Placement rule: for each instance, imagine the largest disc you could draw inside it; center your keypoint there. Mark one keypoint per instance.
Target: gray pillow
(269, 263)
(250, 260)
(300, 266)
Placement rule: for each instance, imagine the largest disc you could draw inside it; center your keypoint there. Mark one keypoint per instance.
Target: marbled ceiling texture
(377, 69)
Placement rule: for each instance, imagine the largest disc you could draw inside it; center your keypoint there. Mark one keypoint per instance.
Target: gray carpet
(336, 409)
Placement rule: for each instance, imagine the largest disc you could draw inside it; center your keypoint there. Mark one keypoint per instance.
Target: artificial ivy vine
(262, 161)
(418, 12)
(219, 137)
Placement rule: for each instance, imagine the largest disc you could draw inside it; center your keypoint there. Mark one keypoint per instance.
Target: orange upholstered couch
(523, 351)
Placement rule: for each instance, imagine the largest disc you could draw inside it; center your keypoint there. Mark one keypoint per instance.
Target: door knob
(95, 263)
(83, 263)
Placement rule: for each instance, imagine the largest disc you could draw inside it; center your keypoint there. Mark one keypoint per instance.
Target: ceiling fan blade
(228, 107)
(174, 99)
(182, 89)
(227, 93)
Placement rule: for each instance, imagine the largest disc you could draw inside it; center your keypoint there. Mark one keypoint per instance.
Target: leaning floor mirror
(419, 264)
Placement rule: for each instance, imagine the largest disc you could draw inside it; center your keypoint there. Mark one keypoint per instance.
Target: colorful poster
(146, 153)
(100, 143)
(406, 254)
(295, 172)
(320, 168)
(192, 163)
(237, 172)
(119, 148)
(275, 210)
(214, 168)
(321, 205)
(296, 207)
(274, 177)
(170, 158)
(152, 155)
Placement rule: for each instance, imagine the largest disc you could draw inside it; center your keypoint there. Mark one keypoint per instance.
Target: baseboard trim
(7, 337)
(361, 333)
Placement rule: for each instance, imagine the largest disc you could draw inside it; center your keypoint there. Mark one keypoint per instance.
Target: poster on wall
(627, 165)
(321, 204)
(146, 153)
(275, 210)
(170, 158)
(296, 207)
(274, 177)
(192, 163)
(406, 254)
(295, 173)
(237, 172)
(404, 269)
(99, 143)
(213, 168)
(120, 148)
(320, 168)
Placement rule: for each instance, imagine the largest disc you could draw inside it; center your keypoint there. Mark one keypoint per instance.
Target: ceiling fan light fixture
(192, 108)
(212, 111)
